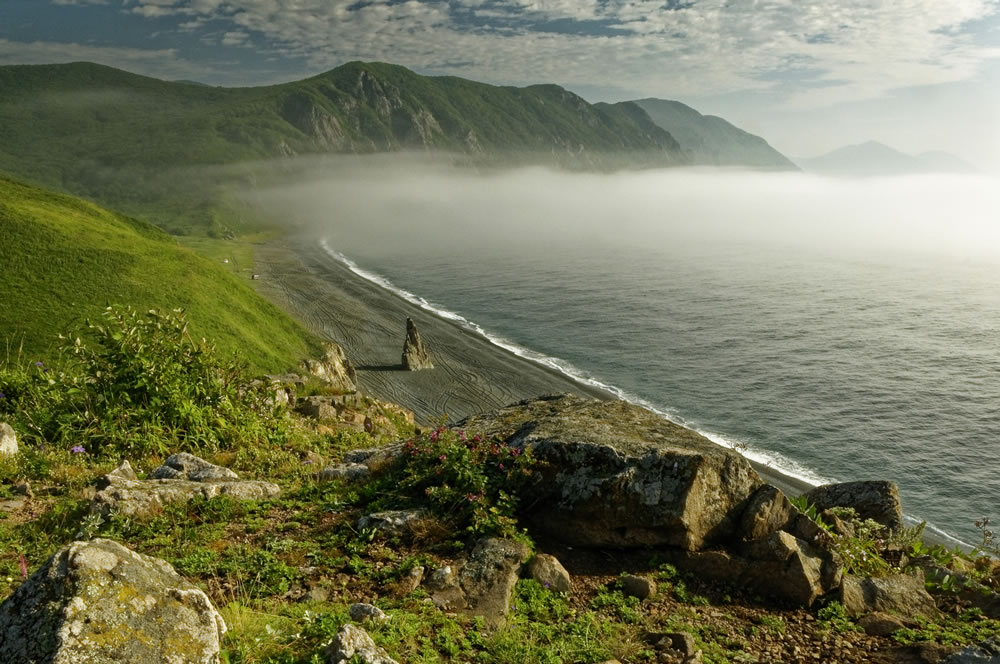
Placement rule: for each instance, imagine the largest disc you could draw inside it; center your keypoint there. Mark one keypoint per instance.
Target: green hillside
(64, 259)
(712, 141)
(152, 148)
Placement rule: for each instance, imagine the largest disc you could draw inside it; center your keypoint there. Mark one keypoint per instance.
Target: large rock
(119, 492)
(616, 475)
(987, 652)
(788, 568)
(548, 571)
(8, 440)
(873, 499)
(352, 644)
(483, 585)
(902, 595)
(415, 356)
(334, 369)
(769, 511)
(97, 602)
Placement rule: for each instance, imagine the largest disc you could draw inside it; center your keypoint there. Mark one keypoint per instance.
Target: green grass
(64, 260)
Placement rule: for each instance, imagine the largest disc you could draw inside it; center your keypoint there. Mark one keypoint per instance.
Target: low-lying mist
(391, 204)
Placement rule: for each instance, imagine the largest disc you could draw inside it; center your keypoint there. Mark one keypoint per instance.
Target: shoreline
(472, 374)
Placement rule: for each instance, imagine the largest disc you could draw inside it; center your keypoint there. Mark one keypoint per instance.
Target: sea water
(852, 345)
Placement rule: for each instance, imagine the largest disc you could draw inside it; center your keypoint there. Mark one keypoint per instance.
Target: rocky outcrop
(334, 369)
(352, 644)
(415, 355)
(788, 568)
(548, 571)
(902, 595)
(876, 500)
(184, 466)
(8, 440)
(97, 602)
(616, 475)
(481, 586)
(393, 523)
(769, 511)
(120, 492)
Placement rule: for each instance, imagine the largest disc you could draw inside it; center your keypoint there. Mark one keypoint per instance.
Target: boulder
(184, 466)
(361, 612)
(415, 355)
(768, 511)
(352, 644)
(97, 602)
(872, 499)
(548, 571)
(348, 472)
(881, 624)
(316, 407)
(611, 474)
(483, 585)
(119, 492)
(334, 369)
(788, 568)
(8, 440)
(902, 595)
(408, 582)
(987, 652)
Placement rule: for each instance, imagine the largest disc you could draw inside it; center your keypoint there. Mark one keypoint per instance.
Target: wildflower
(461, 435)
(39, 364)
(77, 449)
(2, 395)
(501, 466)
(443, 457)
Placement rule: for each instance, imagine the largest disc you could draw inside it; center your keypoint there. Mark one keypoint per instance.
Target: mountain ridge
(873, 158)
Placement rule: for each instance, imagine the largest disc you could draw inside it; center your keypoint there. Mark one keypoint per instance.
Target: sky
(808, 75)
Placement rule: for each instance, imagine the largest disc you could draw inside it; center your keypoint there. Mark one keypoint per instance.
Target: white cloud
(820, 51)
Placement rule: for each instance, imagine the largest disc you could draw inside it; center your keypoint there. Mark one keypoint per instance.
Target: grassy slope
(64, 259)
(152, 148)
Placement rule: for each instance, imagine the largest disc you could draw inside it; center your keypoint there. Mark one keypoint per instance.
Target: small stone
(549, 572)
(352, 644)
(638, 586)
(409, 581)
(392, 523)
(8, 440)
(361, 612)
(24, 489)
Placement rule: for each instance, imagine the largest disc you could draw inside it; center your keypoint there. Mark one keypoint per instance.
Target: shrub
(139, 384)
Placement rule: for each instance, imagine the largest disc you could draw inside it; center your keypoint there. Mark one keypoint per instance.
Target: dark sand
(471, 374)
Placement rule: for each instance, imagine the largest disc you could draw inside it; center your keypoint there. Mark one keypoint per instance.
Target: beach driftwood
(415, 356)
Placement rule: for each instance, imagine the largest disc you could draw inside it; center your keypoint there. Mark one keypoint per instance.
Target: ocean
(835, 330)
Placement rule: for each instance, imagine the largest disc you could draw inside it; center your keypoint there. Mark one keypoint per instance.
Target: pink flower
(24, 567)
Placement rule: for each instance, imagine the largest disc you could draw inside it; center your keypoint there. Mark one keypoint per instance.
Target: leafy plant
(968, 627)
(833, 616)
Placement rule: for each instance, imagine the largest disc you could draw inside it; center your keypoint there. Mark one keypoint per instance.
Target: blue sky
(809, 75)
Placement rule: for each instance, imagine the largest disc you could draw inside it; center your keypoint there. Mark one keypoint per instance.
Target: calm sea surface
(834, 354)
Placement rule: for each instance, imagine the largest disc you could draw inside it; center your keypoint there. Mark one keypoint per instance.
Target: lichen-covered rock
(876, 500)
(415, 355)
(483, 585)
(334, 369)
(616, 475)
(548, 571)
(392, 523)
(360, 612)
(119, 492)
(97, 602)
(184, 466)
(344, 471)
(8, 440)
(352, 642)
(902, 595)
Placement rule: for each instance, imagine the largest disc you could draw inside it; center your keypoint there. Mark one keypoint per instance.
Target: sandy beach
(471, 374)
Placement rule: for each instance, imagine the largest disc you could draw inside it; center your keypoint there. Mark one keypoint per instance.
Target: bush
(139, 384)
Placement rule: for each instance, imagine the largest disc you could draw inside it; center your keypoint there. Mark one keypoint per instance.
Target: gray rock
(141, 498)
(987, 652)
(881, 624)
(316, 407)
(548, 571)
(902, 595)
(184, 466)
(349, 472)
(353, 642)
(639, 587)
(876, 500)
(483, 585)
(415, 356)
(617, 475)
(97, 602)
(8, 440)
(123, 471)
(334, 369)
(392, 523)
(361, 612)
(409, 581)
